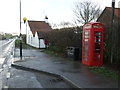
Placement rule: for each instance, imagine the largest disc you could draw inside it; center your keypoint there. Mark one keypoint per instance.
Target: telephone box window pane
(85, 58)
(97, 36)
(86, 51)
(86, 40)
(97, 26)
(86, 43)
(97, 40)
(97, 48)
(87, 26)
(86, 47)
(86, 36)
(97, 51)
(85, 54)
(86, 33)
(97, 44)
(97, 32)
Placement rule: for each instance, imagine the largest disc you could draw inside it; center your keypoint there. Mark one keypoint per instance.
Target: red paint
(92, 44)
(45, 42)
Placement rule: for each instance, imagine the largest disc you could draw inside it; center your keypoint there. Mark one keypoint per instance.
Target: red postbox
(92, 44)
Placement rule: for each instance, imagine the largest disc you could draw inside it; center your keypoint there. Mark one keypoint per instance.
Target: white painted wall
(34, 41)
(42, 45)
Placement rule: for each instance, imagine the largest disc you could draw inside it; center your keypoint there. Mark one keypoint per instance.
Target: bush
(17, 43)
(59, 39)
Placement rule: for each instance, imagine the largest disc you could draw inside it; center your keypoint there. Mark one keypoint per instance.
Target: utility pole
(20, 34)
(112, 31)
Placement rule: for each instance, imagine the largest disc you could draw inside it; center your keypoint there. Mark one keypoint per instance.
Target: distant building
(36, 33)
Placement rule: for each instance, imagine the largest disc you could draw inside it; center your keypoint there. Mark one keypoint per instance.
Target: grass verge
(105, 71)
(97, 69)
(50, 52)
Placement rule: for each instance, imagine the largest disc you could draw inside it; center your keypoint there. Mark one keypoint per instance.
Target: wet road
(3, 41)
(32, 79)
(23, 79)
(5, 45)
(74, 71)
(6, 53)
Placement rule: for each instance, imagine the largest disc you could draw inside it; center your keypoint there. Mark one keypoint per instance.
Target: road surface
(6, 53)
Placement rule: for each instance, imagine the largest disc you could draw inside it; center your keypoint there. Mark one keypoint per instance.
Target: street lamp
(25, 19)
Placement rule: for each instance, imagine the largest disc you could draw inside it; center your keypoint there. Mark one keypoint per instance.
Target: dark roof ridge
(111, 7)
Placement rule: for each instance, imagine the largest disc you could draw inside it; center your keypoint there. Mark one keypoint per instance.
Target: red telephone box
(92, 44)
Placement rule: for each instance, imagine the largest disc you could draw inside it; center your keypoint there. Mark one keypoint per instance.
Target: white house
(35, 33)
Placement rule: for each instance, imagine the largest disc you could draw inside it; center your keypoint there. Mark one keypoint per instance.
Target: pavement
(73, 71)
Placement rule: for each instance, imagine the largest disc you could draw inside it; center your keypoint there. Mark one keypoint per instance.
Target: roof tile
(39, 26)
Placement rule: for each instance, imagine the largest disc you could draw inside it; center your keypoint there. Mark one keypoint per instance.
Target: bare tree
(86, 12)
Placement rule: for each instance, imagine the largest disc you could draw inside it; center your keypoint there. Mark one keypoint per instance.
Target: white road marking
(2, 60)
(8, 75)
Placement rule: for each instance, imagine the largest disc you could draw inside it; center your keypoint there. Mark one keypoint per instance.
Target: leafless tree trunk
(86, 12)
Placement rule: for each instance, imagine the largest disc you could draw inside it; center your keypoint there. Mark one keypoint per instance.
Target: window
(97, 44)
(86, 40)
(97, 48)
(85, 58)
(86, 43)
(97, 51)
(86, 47)
(85, 54)
(86, 51)
(97, 39)
(86, 33)
(97, 33)
(86, 36)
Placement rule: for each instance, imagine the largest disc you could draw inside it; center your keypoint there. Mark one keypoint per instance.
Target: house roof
(116, 11)
(39, 26)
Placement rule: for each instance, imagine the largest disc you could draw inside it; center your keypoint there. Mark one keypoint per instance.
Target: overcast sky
(56, 10)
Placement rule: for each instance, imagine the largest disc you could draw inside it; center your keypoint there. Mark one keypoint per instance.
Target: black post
(20, 34)
(112, 31)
